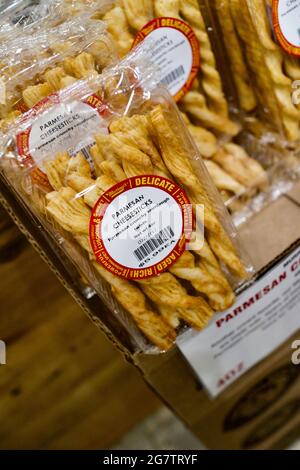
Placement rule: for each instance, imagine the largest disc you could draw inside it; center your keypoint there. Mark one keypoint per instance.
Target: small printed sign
(263, 317)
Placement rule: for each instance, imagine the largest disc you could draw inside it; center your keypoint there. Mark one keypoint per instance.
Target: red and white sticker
(174, 48)
(60, 127)
(139, 227)
(286, 23)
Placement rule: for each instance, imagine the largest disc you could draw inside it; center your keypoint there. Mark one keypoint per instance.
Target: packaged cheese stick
(188, 68)
(109, 168)
(36, 65)
(261, 39)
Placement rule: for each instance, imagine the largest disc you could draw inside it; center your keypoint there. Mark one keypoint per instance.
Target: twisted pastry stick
(247, 171)
(59, 169)
(180, 167)
(255, 57)
(154, 327)
(101, 51)
(292, 67)
(211, 82)
(292, 70)
(113, 170)
(240, 73)
(138, 130)
(134, 161)
(81, 66)
(250, 171)
(169, 295)
(142, 129)
(210, 264)
(167, 8)
(56, 170)
(118, 28)
(194, 104)
(70, 212)
(138, 13)
(58, 79)
(220, 297)
(205, 140)
(223, 180)
(35, 93)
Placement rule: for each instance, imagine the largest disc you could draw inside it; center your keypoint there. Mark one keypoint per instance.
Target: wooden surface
(64, 385)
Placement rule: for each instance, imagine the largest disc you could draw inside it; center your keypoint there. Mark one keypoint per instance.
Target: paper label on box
(174, 48)
(263, 317)
(140, 226)
(286, 23)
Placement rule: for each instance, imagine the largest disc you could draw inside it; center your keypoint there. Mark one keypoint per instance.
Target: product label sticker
(286, 23)
(61, 127)
(263, 317)
(172, 45)
(140, 226)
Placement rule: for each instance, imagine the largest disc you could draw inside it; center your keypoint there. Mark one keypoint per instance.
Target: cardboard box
(260, 410)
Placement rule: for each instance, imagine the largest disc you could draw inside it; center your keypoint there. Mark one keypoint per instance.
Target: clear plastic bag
(28, 16)
(263, 72)
(20, 16)
(35, 65)
(204, 107)
(257, 78)
(136, 133)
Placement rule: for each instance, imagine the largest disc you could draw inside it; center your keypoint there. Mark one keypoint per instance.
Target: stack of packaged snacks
(42, 51)
(261, 39)
(107, 165)
(38, 64)
(195, 83)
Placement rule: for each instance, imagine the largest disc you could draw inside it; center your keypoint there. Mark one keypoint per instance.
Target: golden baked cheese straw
(138, 13)
(211, 80)
(177, 162)
(193, 103)
(240, 73)
(71, 213)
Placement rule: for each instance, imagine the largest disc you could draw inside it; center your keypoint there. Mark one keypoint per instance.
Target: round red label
(140, 226)
(286, 20)
(175, 49)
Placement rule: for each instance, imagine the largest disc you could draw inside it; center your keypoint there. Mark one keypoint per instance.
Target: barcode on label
(172, 76)
(156, 242)
(86, 153)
